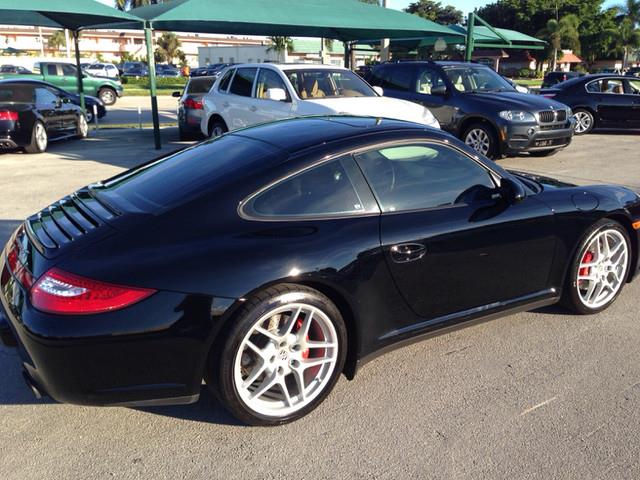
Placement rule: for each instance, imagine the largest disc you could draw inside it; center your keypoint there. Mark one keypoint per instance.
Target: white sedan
(248, 94)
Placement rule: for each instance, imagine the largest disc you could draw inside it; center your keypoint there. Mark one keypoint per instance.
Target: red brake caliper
(305, 353)
(586, 271)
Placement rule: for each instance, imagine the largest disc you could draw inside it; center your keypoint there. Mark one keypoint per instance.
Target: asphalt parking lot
(136, 110)
(541, 394)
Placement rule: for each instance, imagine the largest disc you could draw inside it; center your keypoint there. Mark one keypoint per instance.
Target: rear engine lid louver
(67, 220)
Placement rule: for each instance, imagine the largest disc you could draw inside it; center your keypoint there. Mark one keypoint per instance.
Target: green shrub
(143, 82)
(524, 73)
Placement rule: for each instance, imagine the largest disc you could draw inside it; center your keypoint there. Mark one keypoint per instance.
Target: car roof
(440, 63)
(301, 133)
(288, 66)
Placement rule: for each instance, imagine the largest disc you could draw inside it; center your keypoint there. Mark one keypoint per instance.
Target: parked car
(477, 105)
(608, 101)
(611, 71)
(32, 115)
(103, 70)
(15, 69)
(272, 260)
(553, 78)
(248, 94)
(64, 75)
(126, 66)
(136, 72)
(166, 71)
(210, 70)
(190, 106)
(89, 101)
(633, 72)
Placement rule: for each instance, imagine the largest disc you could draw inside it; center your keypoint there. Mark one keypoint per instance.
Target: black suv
(480, 107)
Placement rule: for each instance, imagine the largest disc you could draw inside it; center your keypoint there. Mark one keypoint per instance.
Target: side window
(68, 70)
(224, 83)
(325, 190)
(594, 87)
(378, 76)
(413, 177)
(243, 82)
(633, 87)
(269, 79)
(400, 79)
(606, 85)
(52, 70)
(44, 96)
(427, 80)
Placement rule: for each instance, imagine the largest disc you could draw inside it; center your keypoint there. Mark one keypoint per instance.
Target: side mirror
(513, 191)
(176, 94)
(440, 90)
(379, 91)
(276, 94)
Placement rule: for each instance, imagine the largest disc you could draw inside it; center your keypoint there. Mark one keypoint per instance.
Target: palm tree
(56, 40)
(168, 46)
(280, 45)
(561, 32)
(625, 38)
(629, 9)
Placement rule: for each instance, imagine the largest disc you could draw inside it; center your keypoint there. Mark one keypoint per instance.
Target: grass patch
(529, 82)
(142, 91)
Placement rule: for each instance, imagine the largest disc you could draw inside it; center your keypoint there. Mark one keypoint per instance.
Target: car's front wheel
(584, 121)
(600, 268)
(281, 357)
(482, 139)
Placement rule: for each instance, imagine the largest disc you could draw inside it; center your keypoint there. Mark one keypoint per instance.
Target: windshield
(323, 83)
(473, 78)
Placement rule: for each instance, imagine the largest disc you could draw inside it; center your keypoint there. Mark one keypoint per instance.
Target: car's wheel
(281, 356)
(107, 95)
(584, 121)
(217, 128)
(83, 127)
(600, 269)
(544, 153)
(482, 139)
(39, 139)
(89, 115)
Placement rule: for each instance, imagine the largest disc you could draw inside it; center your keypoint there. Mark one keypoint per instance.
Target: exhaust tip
(32, 385)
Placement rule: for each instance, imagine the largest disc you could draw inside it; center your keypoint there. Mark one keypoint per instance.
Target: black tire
(571, 299)
(587, 115)
(107, 95)
(219, 374)
(83, 127)
(544, 153)
(89, 115)
(36, 145)
(217, 125)
(492, 150)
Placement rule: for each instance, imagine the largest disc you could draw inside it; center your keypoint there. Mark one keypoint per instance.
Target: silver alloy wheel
(602, 269)
(41, 137)
(108, 97)
(89, 116)
(584, 121)
(479, 140)
(83, 127)
(217, 131)
(286, 360)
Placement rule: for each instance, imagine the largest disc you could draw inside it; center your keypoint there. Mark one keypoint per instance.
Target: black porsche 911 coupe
(273, 259)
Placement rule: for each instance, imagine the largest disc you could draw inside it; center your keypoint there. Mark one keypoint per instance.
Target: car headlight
(517, 116)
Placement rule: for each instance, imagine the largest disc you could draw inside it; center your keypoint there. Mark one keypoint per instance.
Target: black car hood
(546, 182)
(500, 101)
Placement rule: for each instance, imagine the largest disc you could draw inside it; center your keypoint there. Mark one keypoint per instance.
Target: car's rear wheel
(107, 95)
(217, 128)
(39, 139)
(600, 269)
(83, 127)
(281, 357)
(584, 121)
(482, 139)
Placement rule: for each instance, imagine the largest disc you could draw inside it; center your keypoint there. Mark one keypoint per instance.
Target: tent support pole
(470, 45)
(76, 34)
(152, 84)
(347, 54)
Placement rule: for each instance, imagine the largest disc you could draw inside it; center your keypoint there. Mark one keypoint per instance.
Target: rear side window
(325, 190)
(224, 83)
(16, 93)
(200, 85)
(413, 177)
(243, 82)
(394, 78)
(52, 70)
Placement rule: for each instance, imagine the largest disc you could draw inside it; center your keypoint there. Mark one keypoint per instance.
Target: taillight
(15, 264)
(8, 115)
(64, 293)
(193, 104)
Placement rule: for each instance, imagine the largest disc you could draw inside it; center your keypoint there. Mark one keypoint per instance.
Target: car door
(614, 107)
(431, 91)
(50, 108)
(239, 101)
(632, 91)
(265, 109)
(70, 78)
(451, 242)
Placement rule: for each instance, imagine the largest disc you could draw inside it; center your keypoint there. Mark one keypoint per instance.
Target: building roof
(570, 57)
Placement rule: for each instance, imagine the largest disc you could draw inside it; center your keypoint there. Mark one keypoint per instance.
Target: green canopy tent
(345, 20)
(74, 15)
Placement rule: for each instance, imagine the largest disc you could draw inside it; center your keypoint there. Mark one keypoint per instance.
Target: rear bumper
(96, 361)
(533, 137)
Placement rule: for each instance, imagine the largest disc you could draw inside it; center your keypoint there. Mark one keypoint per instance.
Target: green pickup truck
(64, 75)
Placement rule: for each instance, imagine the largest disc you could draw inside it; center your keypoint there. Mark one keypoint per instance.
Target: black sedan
(273, 259)
(34, 113)
(600, 101)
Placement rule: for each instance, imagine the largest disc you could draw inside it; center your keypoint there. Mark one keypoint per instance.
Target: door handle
(225, 104)
(407, 252)
(253, 108)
